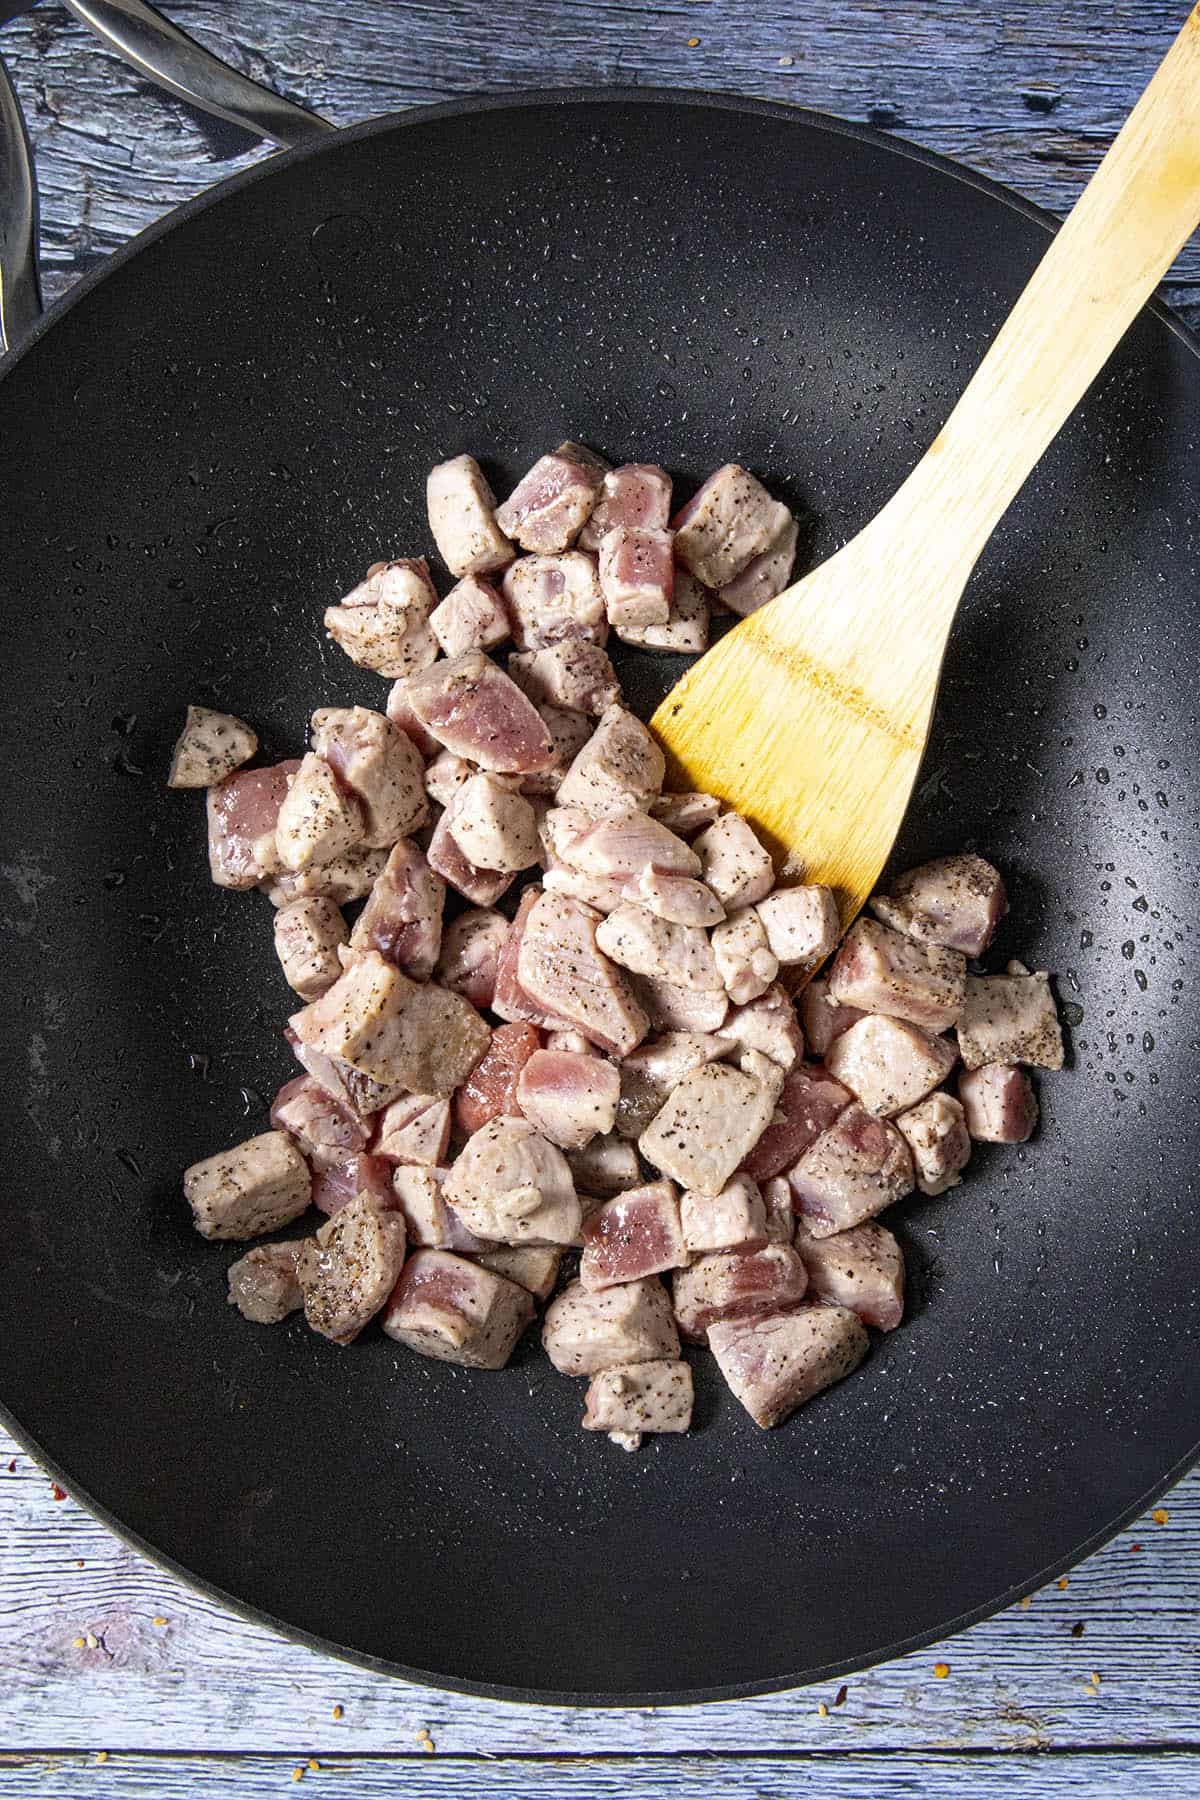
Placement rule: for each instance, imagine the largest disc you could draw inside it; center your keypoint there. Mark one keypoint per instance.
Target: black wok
(207, 443)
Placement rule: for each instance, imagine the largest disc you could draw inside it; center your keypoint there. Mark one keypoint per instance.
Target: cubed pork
(937, 1137)
(562, 971)
(490, 1090)
(678, 898)
(734, 1219)
(379, 764)
(637, 576)
(822, 1018)
(649, 1074)
(808, 1104)
(471, 946)
(493, 826)
(394, 1029)
(573, 1041)
(511, 1184)
(880, 971)
(620, 767)
(999, 1104)
(776, 1364)
(462, 509)
(348, 1087)
(737, 1284)
(957, 901)
(473, 616)
(685, 814)
(856, 1167)
(604, 1167)
(685, 629)
(245, 1192)
(446, 776)
(765, 575)
(587, 1332)
(414, 1129)
(348, 877)
(263, 1284)
(769, 1025)
(570, 1098)
(861, 1269)
(777, 1203)
(574, 673)
(620, 845)
(729, 521)
(889, 1064)
(456, 1311)
(326, 1128)
(349, 1268)
(637, 1233)
(307, 935)
(670, 1007)
(335, 1184)
(733, 863)
(1008, 1019)
(319, 819)
(402, 919)
(399, 711)
(383, 623)
(801, 924)
(210, 747)
(638, 940)
(533, 1268)
(555, 599)
(746, 962)
(472, 708)
(243, 811)
(708, 1127)
(509, 998)
(639, 1397)
(550, 505)
(430, 1221)
(569, 732)
(636, 495)
(481, 886)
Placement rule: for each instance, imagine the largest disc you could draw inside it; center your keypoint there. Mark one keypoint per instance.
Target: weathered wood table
(115, 1680)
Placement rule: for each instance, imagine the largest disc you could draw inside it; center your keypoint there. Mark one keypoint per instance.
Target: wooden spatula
(811, 716)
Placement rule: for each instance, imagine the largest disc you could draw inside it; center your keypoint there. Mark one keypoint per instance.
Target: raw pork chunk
(619, 768)
(708, 1127)
(855, 1168)
(631, 1236)
(326, 1128)
(210, 747)
(999, 1103)
(461, 517)
(737, 1285)
(880, 971)
(553, 599)
(889, 1064)
(730, 520)
(243, 811)
(637, 495)
(734, 1219)
(570, 1097)
(249, 1190)
(263, 1284)
(379, 764)
(1010, 1018)
(586, 1332)
(490, 1090)
(638, 1397)
(348, 1270)
(550, 505)
(801, 924)
(862, 1269)
(734, 864)
(774, 1365)
(809, 1103)
(307, 935)
(937, 1135)
(455, 1311)
(957, 901)
(513, 1186)
(472, 708)
(383, 623)
(394, 1030)
(402, 919)
(575, 674)
(471, 946)
(637, 576)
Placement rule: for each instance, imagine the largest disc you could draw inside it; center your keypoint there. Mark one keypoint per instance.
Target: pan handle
(165, 55)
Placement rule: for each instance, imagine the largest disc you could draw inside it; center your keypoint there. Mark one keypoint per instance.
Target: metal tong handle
(171, 59)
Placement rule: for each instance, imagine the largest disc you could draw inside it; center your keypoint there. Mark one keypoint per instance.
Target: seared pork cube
(857, 1166)
(307, 935)
(861, 1269)
(822, 1018)
(429, 1221)
(563, 971)
(574, 673)
(490, 1090)
(685, 628)
(550, 505)
(734, 1219)
(456, 1311)
(351, 1089)
(348, 877)
(621, 844)
(746, 962)
(775, 1365)
(514, 1186)
(670, 1007)
(349, 1268)
(481, 886)
(889, 1064)
(509, 998)
(325, 1128)
(471, 617)
(639, 1397)
(635, 1234)
(403, 915)
(1010, 1018)
(318, 820)
(536, 1269)
(335, 1184)
(462, 509)
(569, 732)
(734, 864)
(999, 1104)
(808, 1104)
(729, 521)
(620, 767)
(957, 901)
(245, 1192)
(765, 575)
(678, 899)
(777, 1202)
(685, 814)
(394, 1029)
(383, 623)
(708, 1127)
(937, 1136)
(587, 1332)
(263, 1284)
(738, 1284)
(243, 811)
(604, 1167)
(493, 826)
(880, 971)
(647, 945)
(637, 495)
(445, 777)
(471, 946)
(769, 1025)
(414, 1129)
(570, 1098)
(555, 599)
(379, 765)
(472, 708)
(401, 714)
(649, 1073)
(637, 576)
(572, 1041)
(210, 747)
(801, 924)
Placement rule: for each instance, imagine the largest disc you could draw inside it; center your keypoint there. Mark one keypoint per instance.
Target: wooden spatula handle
(1137, 211)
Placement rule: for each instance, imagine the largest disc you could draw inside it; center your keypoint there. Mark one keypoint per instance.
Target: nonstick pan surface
(203, 448)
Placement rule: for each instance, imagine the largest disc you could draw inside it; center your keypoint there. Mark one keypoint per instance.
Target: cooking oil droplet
(1139, 975)
(199, 1062)
(1127, 949)
(1086, 940)
(1147, 1042)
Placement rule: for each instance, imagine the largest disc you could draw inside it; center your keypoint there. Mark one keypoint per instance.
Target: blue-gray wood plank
(101, 1652)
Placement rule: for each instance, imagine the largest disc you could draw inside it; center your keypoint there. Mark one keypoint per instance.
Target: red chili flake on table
(12, 1467)
(57, 1493)
(1077, 1628)
(1135, 1546)
(839, 1699)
